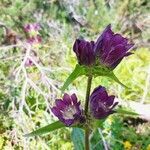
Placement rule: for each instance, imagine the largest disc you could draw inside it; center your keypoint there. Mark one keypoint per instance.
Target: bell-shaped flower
(111, 48)
(68, 110)
(101, 105)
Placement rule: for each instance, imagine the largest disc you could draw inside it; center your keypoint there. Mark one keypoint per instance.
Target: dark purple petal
(100, 113)
(68, 110)
(118, 39)
(116, 63)
(56, 112)
(118, 53)
(69, 122)
(60, 104)
(111, 48)
(84, 51)
(104, 40)
(67, 99)
(78, 109)
(99, 93)
(128, 46)
(101, 104)
(110, 100)
(74, 99)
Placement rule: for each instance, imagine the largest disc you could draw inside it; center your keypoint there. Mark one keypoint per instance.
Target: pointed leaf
(77, 137)
(46, 129)
(78, 71)
(125, 112)
(103, 71)
(112, 76)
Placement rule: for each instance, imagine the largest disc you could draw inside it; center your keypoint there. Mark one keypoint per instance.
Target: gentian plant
(98, 58)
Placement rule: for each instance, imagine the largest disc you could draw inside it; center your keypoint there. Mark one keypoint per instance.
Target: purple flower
(84, 51)
(32, 27)
(34, 40)
(101, 105)
(68, 110)
(111, 48)
(28, 63)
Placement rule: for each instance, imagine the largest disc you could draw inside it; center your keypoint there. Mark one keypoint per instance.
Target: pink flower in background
(34, 40)
(33, 37)
(32, 27)
(28, 63)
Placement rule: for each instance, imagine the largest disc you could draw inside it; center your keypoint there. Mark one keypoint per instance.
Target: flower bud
(84, 51)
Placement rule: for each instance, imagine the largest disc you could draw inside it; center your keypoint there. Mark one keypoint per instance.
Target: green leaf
(103, 71)
(78, 71)
(95, 71)
(46, 129)
(77, 137)
(125, 112)
(112, 76)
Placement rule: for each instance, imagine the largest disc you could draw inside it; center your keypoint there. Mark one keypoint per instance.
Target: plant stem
(89, 82)
(87, 145)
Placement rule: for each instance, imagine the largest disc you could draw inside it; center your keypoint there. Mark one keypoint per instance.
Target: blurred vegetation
(61, 23)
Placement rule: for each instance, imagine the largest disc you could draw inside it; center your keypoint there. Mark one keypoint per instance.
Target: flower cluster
(33, 33)
(32, 28)
(68, 109)
(108, 50)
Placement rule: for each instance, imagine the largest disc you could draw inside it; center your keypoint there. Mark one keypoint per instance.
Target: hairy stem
(89, 82)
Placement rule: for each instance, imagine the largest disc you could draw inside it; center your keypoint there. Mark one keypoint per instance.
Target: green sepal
(93, 70)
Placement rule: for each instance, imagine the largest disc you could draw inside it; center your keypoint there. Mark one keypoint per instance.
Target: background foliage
(25, 108)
